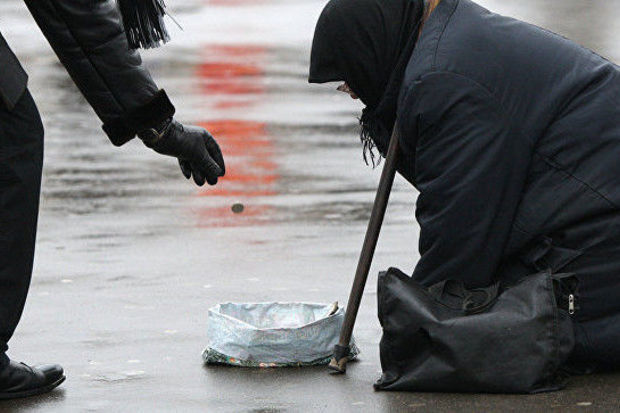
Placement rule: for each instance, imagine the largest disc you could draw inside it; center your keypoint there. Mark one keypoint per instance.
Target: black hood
(367, 44)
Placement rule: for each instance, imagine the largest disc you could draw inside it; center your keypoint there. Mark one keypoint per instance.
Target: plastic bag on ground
(274, 334)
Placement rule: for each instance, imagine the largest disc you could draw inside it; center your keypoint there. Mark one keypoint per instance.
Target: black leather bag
(450, 339)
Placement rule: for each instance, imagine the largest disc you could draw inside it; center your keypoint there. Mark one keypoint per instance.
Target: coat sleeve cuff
(122, 129)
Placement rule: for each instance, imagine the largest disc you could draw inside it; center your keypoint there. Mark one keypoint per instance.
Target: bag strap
(453, 294)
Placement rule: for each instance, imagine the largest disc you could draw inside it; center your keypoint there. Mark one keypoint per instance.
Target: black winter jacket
(88, 38)
(511, 134)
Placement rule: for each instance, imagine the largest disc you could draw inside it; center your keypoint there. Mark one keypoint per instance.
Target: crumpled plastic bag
(274, 334)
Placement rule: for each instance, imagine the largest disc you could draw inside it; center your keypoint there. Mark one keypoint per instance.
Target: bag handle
(453, 294)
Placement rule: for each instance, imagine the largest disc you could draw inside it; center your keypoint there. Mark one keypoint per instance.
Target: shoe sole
(32, 392)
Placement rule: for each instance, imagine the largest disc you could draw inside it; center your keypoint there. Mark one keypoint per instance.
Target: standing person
(93, 43)
(511, 135)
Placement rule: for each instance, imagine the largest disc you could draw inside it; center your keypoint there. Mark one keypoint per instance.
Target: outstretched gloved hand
(198, 153)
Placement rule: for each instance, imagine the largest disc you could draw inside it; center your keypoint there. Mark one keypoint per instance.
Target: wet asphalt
(131, 256)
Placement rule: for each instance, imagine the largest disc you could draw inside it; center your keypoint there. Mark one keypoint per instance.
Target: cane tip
(338, 366)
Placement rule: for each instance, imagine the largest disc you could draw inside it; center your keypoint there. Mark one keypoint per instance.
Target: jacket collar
(425, 52)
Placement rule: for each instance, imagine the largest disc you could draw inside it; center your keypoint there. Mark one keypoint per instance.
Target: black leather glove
(198, 153)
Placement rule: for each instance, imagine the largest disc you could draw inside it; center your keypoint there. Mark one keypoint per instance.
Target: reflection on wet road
(131, 255)
(232, 77)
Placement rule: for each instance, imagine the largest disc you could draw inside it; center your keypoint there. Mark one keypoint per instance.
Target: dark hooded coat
(511, 134)
(513, 137)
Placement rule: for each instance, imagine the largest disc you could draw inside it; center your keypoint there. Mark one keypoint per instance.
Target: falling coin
(238, 208)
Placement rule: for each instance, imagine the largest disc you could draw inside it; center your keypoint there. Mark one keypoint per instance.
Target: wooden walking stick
(341, 351)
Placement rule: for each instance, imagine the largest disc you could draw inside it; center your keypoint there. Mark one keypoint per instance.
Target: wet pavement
(131, 256)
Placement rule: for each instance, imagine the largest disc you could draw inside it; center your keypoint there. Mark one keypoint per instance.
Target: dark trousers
(21, 161)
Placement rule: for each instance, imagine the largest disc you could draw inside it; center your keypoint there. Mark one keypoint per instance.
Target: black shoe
(20, 380)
